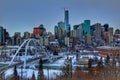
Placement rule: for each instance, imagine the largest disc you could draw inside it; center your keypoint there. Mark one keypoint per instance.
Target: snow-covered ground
(6, 62)
(27, 73)
(52, 73)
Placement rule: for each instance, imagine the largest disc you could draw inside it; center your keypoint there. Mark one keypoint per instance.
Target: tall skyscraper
(98, 30)
(106, 27)
(79, 32)
(92, 30)
(110, 31)
(110, 34)
(1, 35)
(7, 38)
(86, 27)
(56, 31)
(67, 25)
(66, 17)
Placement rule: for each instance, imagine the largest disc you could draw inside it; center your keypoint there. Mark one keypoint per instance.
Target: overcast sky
(23, 15)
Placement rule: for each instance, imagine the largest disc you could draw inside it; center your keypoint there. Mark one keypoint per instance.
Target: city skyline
(21, 16)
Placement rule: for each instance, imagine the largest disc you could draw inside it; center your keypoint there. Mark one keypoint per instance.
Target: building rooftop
(109, 47)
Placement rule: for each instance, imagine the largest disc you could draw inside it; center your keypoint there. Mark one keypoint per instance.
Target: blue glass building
(86, 27)
(106, 26)
(61, 25)
(56, 31)
(67, 25)
(1, 35)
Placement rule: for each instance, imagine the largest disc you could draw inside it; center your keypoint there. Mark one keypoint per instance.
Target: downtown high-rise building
(27, 35)
(16, 39)
(79, 32)
(98, 30)
(73, 33)
(110, 30)
(86, 32)
(75, 27)
(61, 25)
(86, 27)
(1, 35)
(59, 30)
(117, 31)
(67, 25)
(106, 27)
(56, 31)
(39, 31)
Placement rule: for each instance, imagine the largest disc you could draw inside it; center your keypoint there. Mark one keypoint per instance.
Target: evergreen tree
(40, 70)
(15, 74)
(33, 76)
(71, 67)
(100, 62)
(66, 68)
(107, 58)
(90, 63)
(77, 56)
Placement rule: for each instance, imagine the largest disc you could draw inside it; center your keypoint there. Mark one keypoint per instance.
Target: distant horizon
(23, 15)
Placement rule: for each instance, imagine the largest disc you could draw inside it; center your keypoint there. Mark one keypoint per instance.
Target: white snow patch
(27, 73)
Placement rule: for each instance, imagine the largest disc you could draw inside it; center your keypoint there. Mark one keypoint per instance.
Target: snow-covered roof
(108, 47)
(13, 46)
(87, 51)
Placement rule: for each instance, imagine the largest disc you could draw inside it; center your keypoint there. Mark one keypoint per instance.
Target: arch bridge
(29, 49)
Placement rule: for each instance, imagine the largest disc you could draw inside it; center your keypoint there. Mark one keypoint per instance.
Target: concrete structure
(39, 31)
(98, 30)
(73, 33)
(79, 32)
(110, 30)
(75, 27)
(67, 39)
(106, 38)
(88, 40)
(16, 39)
(26, 35)
(117, 31)
(44, 40)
